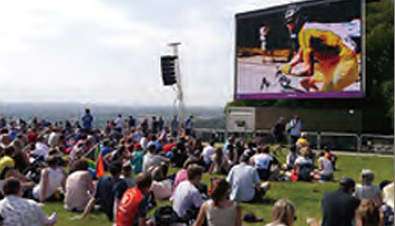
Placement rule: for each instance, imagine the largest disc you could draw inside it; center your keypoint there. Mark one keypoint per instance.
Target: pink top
(181, 176)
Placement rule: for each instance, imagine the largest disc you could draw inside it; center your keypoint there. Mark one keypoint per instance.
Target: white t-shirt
(41, 150)
(302, 160)
(185, 197)
(243, 179)
(152, 160)
(118, 123)
(367, 191)
(53, 139)
(55, 177)
(327, 166)
(263, 161)
(207, 152)
(291, 158)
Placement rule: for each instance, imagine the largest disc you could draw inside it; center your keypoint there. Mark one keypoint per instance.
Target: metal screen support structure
(180, 95)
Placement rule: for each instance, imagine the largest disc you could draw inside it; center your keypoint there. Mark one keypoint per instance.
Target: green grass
(305, 196)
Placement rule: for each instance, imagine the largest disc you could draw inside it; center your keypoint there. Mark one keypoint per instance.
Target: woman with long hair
(283, 213)
(219, 164)
(220, 210)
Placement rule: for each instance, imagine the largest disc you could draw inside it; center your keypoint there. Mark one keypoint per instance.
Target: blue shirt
(243, 179)
(188, 123)
(87, 121)
(295, 131)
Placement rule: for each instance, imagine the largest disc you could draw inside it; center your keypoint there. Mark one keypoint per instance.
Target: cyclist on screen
(322, 43)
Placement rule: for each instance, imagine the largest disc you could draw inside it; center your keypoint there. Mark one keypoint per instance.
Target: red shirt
(168, 147)
(32, 137)
(131, 206)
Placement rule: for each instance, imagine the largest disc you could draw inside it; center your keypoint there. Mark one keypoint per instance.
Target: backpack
(304, 172)
(165, 216)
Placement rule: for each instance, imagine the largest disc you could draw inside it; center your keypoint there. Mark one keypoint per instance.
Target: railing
(366, 143)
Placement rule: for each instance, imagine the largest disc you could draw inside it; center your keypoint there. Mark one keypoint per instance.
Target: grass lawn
(305, 196)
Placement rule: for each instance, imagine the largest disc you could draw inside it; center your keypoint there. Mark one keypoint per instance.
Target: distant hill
(205, 117)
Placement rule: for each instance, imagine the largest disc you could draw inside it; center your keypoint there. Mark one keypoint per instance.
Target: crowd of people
(125, 168)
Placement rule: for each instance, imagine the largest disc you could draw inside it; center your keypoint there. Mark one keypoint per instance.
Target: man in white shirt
(263, 162)
(187, 196)
(245, 182)
(118, 123)
(207, 152)
(19, 211)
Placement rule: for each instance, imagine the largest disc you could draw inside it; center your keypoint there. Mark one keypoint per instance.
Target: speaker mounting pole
(180, 95)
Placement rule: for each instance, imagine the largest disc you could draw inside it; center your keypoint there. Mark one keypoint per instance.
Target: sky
(95, 51)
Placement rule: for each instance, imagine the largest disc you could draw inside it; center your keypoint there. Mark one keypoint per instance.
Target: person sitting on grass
(127, 175)
(182, 175)
(291, 158)
(137, 158)
(302, 141)
(232, 155)
(207, 152)
(133, 207)
(325, 169)
(52, 178)
(303, 167)
(368, 214)
(16, 210)
(79, 185)
(7, 168)
(187, 196)
(329, 155)
(151, 159)
(263, 163)
(367, 190)
(283, 213)
(338, 207)
(220, 210)
(109, 191)
(219, 163)
(245, 182)
(387, 209)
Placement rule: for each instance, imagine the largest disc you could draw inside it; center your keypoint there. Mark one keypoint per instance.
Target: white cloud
(108, 51)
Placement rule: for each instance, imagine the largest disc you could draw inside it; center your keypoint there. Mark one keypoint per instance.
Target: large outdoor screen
(305, 50)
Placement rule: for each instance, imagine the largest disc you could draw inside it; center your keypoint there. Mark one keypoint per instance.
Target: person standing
(131, 122)
(154, 125)
(118, 123)
(87, 120)
(189, 125)
(174, 126)
(295, 128)
(338, 207)
(161, 123)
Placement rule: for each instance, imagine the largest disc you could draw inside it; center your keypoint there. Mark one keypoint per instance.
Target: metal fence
(366, 143)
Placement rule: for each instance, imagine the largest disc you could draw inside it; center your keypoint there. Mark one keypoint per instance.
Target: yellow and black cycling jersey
(335, 52)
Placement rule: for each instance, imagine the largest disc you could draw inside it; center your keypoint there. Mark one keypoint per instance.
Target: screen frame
(316, 95)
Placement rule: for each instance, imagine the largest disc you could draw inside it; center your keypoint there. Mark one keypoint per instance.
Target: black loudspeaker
(168, 66)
